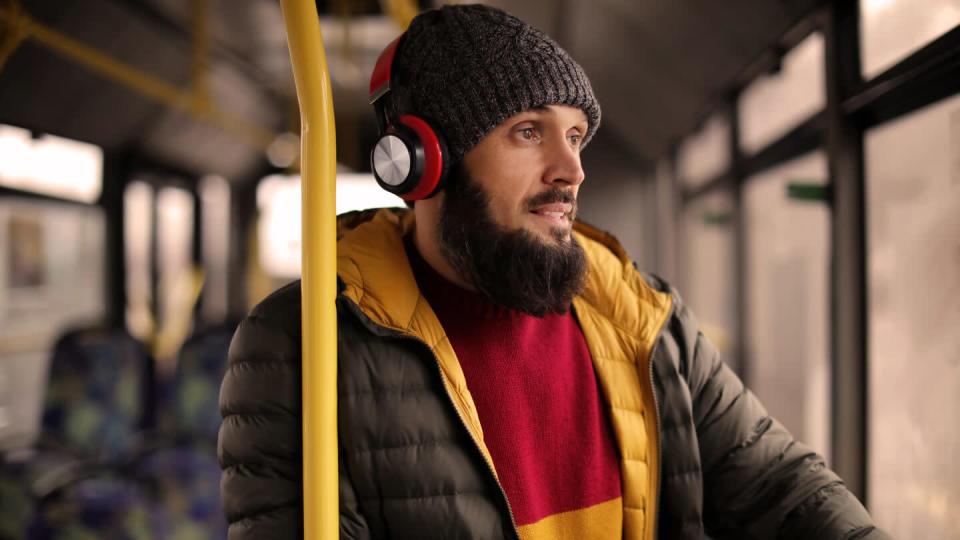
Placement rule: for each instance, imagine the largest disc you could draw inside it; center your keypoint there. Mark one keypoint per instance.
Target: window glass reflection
(178, 284)
(709, 266)
(913, 236)
(774, 104)
(278, 231)
(137, 216)
(51, 165)
(706, 154)
(788, 298)
(215, 201)
(892, 29)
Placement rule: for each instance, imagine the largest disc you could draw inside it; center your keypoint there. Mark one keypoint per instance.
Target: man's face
(529, 167)
(507, 212)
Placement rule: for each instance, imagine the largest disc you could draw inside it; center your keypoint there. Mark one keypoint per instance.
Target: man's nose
(564, 164)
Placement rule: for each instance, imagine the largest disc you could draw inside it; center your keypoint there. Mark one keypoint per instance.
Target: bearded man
(504, 371)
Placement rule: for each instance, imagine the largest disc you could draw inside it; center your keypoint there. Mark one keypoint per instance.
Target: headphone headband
(380, 79)
(408, 159)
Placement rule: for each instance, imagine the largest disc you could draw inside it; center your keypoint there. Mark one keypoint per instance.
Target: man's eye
(529, 133)
(576, 139)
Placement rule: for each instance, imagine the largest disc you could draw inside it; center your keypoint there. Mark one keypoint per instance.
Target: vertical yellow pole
(318, 169)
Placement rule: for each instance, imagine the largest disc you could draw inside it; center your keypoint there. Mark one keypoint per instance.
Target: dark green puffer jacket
(409, 467)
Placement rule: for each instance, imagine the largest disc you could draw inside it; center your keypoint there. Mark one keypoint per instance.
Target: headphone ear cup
(445, 166)
(397, 160)
(409, 159)
(431, 151)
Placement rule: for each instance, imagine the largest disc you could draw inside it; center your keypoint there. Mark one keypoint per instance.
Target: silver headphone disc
(391, 160)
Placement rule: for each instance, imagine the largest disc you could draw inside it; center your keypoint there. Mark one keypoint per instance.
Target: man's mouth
(556, 213)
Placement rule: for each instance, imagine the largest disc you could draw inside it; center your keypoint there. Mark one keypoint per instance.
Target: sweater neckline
(450, 298)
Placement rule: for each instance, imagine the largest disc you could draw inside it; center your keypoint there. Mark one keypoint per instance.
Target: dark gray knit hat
(467, 68)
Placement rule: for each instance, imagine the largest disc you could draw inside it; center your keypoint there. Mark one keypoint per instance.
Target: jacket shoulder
(681, 332)
(271, 331)
(259, 441)
(266, 344)
(281, 307)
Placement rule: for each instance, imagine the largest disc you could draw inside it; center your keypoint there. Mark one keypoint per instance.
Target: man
(503, 371)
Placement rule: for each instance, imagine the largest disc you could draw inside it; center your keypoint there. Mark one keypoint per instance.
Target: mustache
(554, 195)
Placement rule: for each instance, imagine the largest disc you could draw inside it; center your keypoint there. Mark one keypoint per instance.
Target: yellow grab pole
(318, 169)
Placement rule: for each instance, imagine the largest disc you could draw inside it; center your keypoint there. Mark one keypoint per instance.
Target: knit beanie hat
(467, 68)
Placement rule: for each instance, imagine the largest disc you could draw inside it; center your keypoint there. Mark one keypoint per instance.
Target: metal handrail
(319, 328)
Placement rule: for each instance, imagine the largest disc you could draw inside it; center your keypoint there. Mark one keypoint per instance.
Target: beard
(511, 268)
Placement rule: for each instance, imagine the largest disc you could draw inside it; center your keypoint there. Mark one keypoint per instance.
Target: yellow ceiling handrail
(137, 80)
(17, 32)
(319, 284)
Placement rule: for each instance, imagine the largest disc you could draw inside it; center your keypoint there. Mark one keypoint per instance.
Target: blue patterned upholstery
(93, 416)
(94, 404)
(185, 467)
(195, 389)
(16, 506)
(188, 482)
(103, 507)
(94, 410)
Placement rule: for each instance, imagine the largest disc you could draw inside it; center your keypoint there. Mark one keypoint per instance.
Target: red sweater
(533, 383)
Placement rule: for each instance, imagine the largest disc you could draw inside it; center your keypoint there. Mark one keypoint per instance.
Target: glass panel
(892, 29)
(215, 201)
(52, 165)
(278, 198)
(788, 298)
(774, 104)
(357, 191)
(176, 295)
(278, 228)
(51, 279)
(706, 154)
(51, 265)
(913, 197)
(137, 216)
(709, 266)
(22, 388)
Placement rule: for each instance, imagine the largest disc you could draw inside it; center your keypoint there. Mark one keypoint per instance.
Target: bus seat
(104, 506)
(195, 389)
(95, 404)
(184, 465)
(93, 414)
(17, 505)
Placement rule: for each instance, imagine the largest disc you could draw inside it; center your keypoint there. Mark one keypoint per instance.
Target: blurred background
(792, 167)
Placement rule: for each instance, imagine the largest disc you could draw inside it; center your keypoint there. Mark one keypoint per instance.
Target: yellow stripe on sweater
(601, 522)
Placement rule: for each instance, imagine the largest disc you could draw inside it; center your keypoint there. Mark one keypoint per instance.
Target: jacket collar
(373, 265)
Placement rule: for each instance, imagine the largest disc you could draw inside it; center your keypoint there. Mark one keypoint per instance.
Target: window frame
(853, 105)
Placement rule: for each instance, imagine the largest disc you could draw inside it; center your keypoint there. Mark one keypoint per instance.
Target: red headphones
(408, 159)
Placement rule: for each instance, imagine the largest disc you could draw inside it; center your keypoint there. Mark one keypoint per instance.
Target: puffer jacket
(699, 454)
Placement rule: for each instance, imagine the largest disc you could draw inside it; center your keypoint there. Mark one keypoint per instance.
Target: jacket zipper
(463, 422)
(656, 416)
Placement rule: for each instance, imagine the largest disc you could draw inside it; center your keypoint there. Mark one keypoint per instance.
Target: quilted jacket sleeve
(759, 482)
(259, 445)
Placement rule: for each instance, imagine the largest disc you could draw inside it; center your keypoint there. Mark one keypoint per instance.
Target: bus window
(913, 249)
